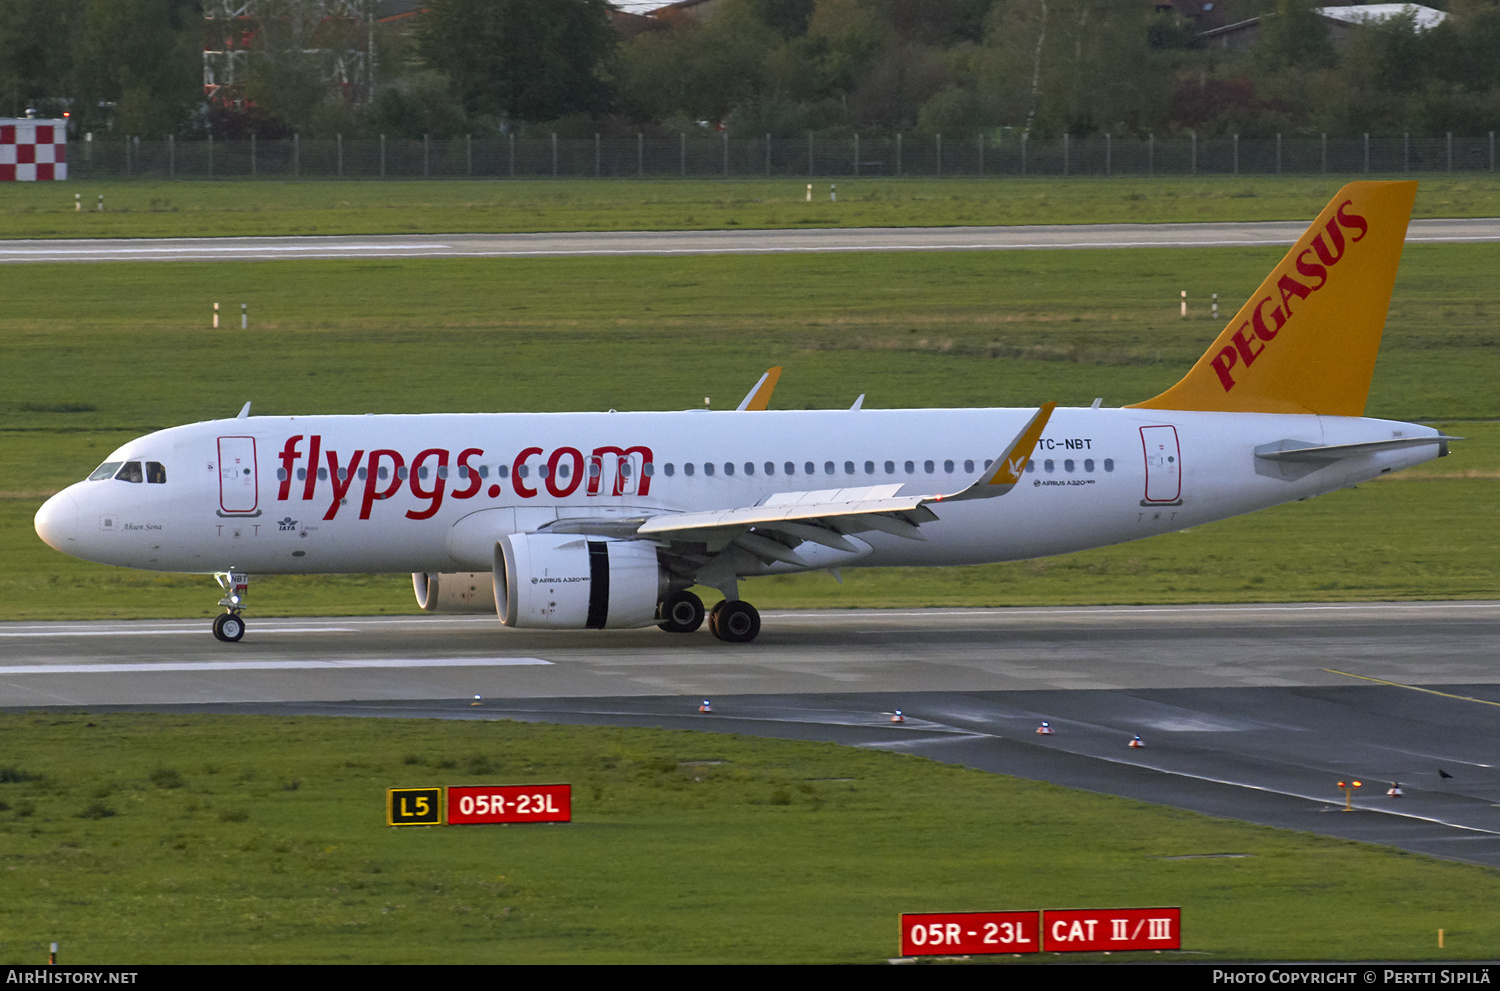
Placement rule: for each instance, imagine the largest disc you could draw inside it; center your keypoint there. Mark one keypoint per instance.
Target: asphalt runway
(605, 243)
(1251, 712)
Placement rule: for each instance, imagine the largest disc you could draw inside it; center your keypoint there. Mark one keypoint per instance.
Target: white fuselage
(433, 493)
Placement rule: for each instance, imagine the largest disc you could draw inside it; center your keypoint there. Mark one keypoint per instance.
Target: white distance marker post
(833, 193)
(809, 192)
(244, 316)
(101, 202)
(77, 202)
(1184, 304)
(216, 316)
(1216, 306)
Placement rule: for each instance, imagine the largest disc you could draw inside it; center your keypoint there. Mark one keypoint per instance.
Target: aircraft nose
(57, 522)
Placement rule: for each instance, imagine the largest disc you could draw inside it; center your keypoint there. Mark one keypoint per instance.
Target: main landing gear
(734, 621)
(731, 620)
(230, 626)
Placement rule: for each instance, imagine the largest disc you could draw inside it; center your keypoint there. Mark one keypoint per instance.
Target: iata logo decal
(1253, 336)
(286, 523)
(426, 475)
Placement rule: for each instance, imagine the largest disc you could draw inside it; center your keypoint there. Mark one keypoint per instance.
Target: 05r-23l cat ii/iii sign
(605, 520)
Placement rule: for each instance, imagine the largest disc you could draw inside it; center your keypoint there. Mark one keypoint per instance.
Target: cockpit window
(129, 472)
(106, 470)
(155, 473)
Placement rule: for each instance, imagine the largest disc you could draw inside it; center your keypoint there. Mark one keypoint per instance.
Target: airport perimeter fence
(730, 156)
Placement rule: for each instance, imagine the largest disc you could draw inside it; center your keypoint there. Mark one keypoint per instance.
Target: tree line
(781, 67)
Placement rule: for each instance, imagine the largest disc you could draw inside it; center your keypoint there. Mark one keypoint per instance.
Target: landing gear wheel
(682, 612)
(735, 622)
(229, 628)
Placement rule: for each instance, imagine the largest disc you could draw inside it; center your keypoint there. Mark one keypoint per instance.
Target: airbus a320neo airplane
(605, 520)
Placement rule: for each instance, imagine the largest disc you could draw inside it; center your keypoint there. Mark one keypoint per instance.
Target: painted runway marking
(238, 249)
(1414, 688)
(195, 631)
(364, 662)
(1322, 800)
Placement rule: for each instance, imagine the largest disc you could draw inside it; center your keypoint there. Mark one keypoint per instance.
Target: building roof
(1375, 13)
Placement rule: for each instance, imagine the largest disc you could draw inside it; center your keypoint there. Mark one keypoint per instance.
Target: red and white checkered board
(33, 149)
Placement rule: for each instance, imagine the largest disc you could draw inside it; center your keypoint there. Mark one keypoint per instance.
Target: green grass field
(134, 839)
(152, 208)
(98, 354)
(139, 838)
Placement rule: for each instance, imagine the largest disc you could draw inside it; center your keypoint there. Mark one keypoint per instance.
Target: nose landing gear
(230, 626)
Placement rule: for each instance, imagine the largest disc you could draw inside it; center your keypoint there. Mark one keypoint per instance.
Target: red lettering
(1223, 362)
(1291, 287)
(516, 479)
(372, 479)
(1242, 345)
(1258, 320)
(1311, 269)
(433, 495)
(1337, 237)
(623, 459)
(468, 491)
(340, 484)
(1353, 221)
(314, 458)
(575, 472)
(289, 456)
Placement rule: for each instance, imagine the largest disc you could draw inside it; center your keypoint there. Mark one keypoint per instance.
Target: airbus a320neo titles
(606, 520)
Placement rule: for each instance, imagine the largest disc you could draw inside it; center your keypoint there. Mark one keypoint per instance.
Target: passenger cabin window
(106, 470)
(155, 473)
(130, 471)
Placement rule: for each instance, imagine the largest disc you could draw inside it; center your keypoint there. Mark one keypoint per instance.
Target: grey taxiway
(745, 242)
(1253, 712)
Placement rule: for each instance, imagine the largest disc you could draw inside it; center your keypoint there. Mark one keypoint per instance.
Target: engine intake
(464, 591)
(570, 582)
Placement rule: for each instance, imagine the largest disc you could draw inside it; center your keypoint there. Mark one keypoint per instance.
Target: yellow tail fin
(1306, 341)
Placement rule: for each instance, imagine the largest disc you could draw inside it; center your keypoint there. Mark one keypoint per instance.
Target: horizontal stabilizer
(1302, 451)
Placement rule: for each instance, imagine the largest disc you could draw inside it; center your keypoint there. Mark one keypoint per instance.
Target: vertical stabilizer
(1306, 341)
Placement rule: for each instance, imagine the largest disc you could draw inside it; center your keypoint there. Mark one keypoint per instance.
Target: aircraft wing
(759, 396)
(771, 529)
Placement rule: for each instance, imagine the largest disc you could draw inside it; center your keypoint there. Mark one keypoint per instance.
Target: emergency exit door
(1163, 466)
(238, 492)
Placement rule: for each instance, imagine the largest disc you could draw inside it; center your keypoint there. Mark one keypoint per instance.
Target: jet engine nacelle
(464, 591)
(571, 582)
